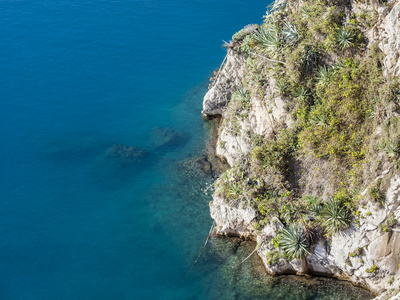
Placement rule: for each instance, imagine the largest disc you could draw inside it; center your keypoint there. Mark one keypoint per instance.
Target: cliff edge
(310, 109)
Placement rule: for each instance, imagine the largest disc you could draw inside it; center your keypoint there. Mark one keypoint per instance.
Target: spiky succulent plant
(392, 149)
(241, 94)
(290, 34)
(302, 94)
(293, 241)
(335, 216)
(344, 38)
(268, 37)
(323, 75)
(306, 12)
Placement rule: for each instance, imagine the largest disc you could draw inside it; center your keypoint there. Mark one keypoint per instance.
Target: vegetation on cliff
(345, 124)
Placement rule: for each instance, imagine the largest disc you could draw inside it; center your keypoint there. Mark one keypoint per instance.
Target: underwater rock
(166, 137)
(126, 153)
(204, 165)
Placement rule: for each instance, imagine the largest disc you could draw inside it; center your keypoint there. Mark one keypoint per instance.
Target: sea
(101, 192)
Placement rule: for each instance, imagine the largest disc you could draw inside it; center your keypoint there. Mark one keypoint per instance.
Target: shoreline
(258, 112)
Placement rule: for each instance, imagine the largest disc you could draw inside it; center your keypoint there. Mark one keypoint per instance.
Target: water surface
(77, 78)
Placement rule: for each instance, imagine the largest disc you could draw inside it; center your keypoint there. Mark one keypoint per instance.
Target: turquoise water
(76, 221)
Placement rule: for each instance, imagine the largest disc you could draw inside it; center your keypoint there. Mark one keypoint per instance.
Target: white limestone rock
(232, 220)
(388, 36)
(219, 95)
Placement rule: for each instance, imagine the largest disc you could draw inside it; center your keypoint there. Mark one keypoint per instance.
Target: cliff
(310, 128)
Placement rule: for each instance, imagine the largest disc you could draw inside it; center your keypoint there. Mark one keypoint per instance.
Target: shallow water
(78, 77)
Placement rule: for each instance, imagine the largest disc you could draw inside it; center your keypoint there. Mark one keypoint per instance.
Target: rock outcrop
(388, 35)
(230, 76)
(367, 253)
(235, 141)
(233, 220)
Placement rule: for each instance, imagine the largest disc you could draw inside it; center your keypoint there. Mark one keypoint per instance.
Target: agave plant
(268, 37)
(344, 38)
(282, 86)
(336, 217)
(293, 241)
(241, 94)
(323, 75)
(306, 12)
(272, 194)
(392, 150)
(302, 94)
(290, 34)
(252, 64)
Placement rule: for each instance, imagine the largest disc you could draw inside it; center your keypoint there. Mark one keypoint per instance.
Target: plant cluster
(389, 223)
(373, 269)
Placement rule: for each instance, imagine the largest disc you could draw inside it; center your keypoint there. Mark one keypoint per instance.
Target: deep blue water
(76, 78)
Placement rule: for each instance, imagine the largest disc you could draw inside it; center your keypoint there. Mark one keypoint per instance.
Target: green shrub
(247, 44)
(277, 153)
(373, 269)
(342, 108)
(389, 223)
(376, 193)
(247, 30)
(310, 59)
(273, 257)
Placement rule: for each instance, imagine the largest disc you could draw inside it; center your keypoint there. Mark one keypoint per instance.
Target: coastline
(374, 265)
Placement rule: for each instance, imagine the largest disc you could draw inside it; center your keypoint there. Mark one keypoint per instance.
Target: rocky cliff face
(367, 253)
(234, 140)
(388, 35)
